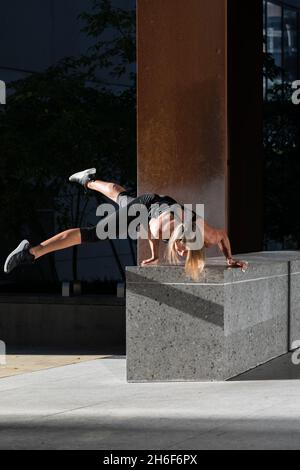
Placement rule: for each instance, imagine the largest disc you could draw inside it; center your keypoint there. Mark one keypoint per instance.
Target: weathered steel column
(182, 102)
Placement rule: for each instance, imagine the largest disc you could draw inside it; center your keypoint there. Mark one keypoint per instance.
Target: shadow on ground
(281, 368)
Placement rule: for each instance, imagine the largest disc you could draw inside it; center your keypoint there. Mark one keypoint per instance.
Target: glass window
(274, 32)
(274, 35)
(290, 43)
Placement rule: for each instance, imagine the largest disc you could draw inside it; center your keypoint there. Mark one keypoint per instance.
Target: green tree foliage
(116, 52)
(60, 121)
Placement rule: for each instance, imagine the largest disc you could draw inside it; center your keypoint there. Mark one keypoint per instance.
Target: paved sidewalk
(22, 363)
(91, 406)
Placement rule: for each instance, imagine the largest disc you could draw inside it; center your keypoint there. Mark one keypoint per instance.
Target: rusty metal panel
(182, 102)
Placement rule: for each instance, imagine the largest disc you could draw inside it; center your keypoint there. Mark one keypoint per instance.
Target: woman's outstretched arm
(154, 247)
(219, 237)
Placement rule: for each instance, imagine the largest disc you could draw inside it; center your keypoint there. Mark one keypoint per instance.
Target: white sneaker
(83, 177)
(21, 255)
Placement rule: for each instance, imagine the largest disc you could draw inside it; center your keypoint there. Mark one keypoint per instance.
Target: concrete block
(121, 290)
(292, 259)
(211, 330)
(65, 289)
(77, 288)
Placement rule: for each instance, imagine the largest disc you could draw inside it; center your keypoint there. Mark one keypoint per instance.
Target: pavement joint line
(92, 405)
(71, 410)
(141, 393)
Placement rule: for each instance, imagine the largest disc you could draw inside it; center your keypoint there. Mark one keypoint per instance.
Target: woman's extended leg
(26, 254)
(60, 241)
(110, 190)
(86, 178)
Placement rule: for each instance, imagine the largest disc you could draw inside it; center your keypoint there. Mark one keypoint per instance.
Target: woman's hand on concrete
(237, 264)
(150, 262)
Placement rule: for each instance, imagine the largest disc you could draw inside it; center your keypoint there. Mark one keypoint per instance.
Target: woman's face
(180, 248)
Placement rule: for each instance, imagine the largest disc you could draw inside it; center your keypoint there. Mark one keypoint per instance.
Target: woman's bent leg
(110, 190)
(60, 241)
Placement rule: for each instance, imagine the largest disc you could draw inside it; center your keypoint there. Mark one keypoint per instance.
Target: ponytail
(195, 261)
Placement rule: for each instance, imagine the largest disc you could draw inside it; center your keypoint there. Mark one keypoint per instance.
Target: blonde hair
(195, 261)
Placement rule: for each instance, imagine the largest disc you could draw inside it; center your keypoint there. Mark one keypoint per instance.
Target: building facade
(36, 35)
(201, 119)
(199, 82)
(282, 38)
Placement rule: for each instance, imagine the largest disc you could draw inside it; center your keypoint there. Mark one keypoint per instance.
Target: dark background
(70, 70)
(281, 136)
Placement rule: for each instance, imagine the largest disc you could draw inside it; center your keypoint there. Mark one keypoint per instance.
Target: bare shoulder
(212, 235)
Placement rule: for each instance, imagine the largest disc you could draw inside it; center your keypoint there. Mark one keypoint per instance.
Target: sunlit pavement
(22, 363)
(90, 405)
